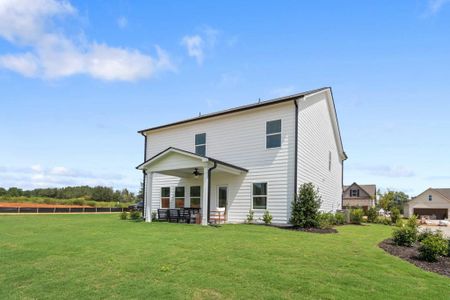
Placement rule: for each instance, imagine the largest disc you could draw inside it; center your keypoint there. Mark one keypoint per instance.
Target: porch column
(205, 197)
(148, 197)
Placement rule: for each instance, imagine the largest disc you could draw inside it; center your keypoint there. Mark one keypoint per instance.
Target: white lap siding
(316, 140)
(240, 139)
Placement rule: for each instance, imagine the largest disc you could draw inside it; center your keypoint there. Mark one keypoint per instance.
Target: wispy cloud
(38, 176)
(434, 6)
(387, 171)
(197, 44)
(51, 54)
(122, 22)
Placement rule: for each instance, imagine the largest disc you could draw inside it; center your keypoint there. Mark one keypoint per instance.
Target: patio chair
(174, 215)
(217, 216)
(163, 214)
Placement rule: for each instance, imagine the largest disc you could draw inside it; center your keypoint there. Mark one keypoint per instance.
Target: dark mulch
(312, 230)
(411, 254)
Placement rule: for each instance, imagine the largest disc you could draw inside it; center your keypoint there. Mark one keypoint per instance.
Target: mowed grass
(100, 256)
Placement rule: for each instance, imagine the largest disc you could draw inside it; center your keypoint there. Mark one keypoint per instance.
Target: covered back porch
(196, 172)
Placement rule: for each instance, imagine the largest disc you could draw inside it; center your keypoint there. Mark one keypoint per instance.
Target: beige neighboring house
(359, 195)
(432, 204)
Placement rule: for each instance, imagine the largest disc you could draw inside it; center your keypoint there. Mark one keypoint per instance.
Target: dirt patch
(34, 205)
(312, 230)
(411, 254)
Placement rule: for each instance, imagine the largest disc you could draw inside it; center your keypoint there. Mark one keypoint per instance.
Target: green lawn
(100, 256)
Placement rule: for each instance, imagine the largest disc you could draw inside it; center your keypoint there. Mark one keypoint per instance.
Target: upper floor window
(354, 193)
(273, 134)
(260, 195)
(430, 197)
(200, 144)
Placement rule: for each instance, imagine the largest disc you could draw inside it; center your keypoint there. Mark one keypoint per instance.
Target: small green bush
(124, 215)
(432, 247)
(267, 217)
(250, 217)
(448, 252)
(404, 236)
(424, 234)
(395, 215)
(372, 215)
(326, 220)
(154, 216)
(383, 220)
(356, 215)
(339, 218)
(135, 215)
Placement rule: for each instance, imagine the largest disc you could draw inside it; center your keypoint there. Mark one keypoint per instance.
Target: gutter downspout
(209, 188)
(143, 172)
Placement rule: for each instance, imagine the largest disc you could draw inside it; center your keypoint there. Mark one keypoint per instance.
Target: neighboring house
(252, 157)
(359, 195)
(432, 203)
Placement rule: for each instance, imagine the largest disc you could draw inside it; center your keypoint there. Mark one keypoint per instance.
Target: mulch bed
(312, 230)
(411, 254)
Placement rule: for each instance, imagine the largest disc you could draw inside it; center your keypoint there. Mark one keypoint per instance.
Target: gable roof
(444, 192)
(192, 154)
(370, 189)
(239, 108)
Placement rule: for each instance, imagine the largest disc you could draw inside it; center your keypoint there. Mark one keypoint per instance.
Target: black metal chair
(163, 215)
(174, 215)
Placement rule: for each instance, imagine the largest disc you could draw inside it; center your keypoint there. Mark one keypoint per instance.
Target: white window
(430, 197)
(273, 134)
(354, 193)
(195, 196)
(200, 144)
(260, 195)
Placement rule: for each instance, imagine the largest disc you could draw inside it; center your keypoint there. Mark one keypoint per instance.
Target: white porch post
(148, 197)
(205, 196)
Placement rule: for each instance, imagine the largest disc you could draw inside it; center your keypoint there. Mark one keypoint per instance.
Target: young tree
(305, 207)
(391, 199)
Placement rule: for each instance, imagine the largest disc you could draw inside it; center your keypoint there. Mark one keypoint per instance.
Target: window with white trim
(430, 197)
(195, 196)
(179, 197)
(165, 197)
(273, 134)
(260, 195)
(200, 144)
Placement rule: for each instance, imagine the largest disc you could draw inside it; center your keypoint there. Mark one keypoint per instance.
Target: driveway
(445, 230)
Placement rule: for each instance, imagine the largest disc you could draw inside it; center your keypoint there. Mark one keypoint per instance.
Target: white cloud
(387, 171)
(32, 24)
(434, 6)
(122, 22)
(197, 44)
(194, 46)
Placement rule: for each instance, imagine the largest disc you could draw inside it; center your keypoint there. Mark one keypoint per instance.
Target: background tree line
(97, 193)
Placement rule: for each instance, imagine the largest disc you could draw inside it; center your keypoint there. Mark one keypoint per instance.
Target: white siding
(316, 139)
(239, 139)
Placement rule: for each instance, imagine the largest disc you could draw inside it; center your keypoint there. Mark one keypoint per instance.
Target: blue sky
(79, 78)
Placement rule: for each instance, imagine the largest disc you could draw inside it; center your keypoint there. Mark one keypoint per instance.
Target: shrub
(267, 217)
(123, 215)
(339, 218)
(372, 215)
(250, 217)
(153, 215)
(433, 246)
(395, 215)
(448, 252)
(356, 215)
(424, 234)
(326, 220)
(135, 215)
(406, 234)
(305, 207)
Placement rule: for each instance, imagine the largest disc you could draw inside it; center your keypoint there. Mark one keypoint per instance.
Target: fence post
(110, 210)
(37, 210)
(18, 210)
(96, 209)
(84, 209)
(54, 209)
(70, 210)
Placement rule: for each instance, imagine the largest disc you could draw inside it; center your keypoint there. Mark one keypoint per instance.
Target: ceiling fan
(196, 173)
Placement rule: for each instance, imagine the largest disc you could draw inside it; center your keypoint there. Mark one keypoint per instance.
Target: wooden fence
(68, 210)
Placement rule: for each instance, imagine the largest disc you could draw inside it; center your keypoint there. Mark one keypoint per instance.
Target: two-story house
(359, 195)
(252, 157)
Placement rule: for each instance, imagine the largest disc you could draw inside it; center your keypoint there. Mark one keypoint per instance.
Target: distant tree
(305, 207)
(3, 191)
(140, 195)
(391, 199)
(15, 192)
